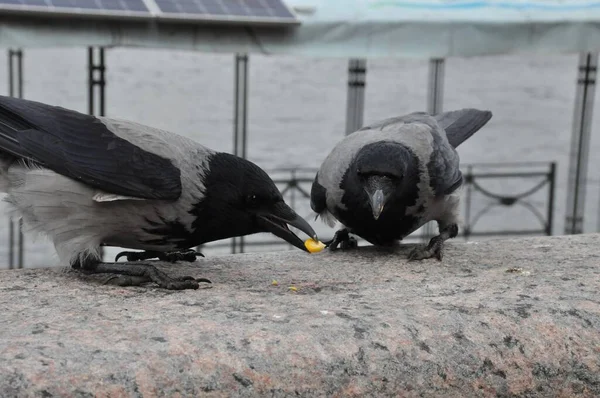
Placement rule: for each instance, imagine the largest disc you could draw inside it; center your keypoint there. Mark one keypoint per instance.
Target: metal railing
(295, 183)
(534, 194)
(542, 175)
(478, 200)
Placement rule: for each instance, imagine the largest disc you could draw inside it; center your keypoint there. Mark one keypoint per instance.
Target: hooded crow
(386, 180)
(88, 182)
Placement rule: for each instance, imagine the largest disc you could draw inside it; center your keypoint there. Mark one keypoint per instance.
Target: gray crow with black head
(88, 182)
(386, 180)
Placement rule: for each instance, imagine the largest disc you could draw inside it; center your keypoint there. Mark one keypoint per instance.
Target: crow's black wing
(318, 196)
(83, 148)
(462, 124)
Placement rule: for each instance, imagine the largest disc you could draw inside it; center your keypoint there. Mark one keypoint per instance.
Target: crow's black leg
(435, 247)
(85, 262)
(184, 255)
(171, 257)
(343, 239)
(136, 273)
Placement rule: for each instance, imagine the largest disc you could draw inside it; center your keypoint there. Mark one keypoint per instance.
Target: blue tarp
(352, 28)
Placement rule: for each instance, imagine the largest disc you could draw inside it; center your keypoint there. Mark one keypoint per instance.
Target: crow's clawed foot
(185, 255)
(342, 239)
(435, 249)
(136, 256)
(134, 274)
(161, 279)
(171, 257)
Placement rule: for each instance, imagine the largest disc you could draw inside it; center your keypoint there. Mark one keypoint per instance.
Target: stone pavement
(516, 317)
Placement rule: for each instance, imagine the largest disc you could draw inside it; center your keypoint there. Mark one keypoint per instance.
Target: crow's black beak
(378, 188)
(277, 219)
(377, 201)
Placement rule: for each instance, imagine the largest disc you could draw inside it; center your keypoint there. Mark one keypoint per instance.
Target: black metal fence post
(96, 82)
(355, 102)
(469, 193)
(97, 87)
(435, 100)
(15, 89)
(580, 142)
(551, 193)
(240, 122)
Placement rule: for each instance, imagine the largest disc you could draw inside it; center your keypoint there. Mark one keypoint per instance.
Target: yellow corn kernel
(314, 246)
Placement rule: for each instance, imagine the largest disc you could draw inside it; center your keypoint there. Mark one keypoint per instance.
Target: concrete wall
(496, 318)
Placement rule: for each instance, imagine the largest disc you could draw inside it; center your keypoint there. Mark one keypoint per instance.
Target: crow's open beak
(277, 219)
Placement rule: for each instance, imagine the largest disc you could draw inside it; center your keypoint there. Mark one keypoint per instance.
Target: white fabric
(351, 28)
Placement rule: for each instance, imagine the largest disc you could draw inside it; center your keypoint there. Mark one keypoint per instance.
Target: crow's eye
(252, 200)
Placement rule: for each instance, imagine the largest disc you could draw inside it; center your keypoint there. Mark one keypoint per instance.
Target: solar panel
(104, 8)
(229, 11)
(258, 11)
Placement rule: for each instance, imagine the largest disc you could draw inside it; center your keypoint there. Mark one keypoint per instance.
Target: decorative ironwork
(545, 173)
(295, 184)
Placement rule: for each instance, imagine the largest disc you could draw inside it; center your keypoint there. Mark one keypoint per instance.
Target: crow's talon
(188, 255)
(170, 257)
(343, 239)
(129, 256)
(136, 256)
(126, 280)
(345, 245)
(172, 283)
(422, 253)
(435, 248)
(135, 273)
(191, 278)
(350, 243)
(161, 279)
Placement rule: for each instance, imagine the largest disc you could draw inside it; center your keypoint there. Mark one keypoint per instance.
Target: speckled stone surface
(499, 318)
